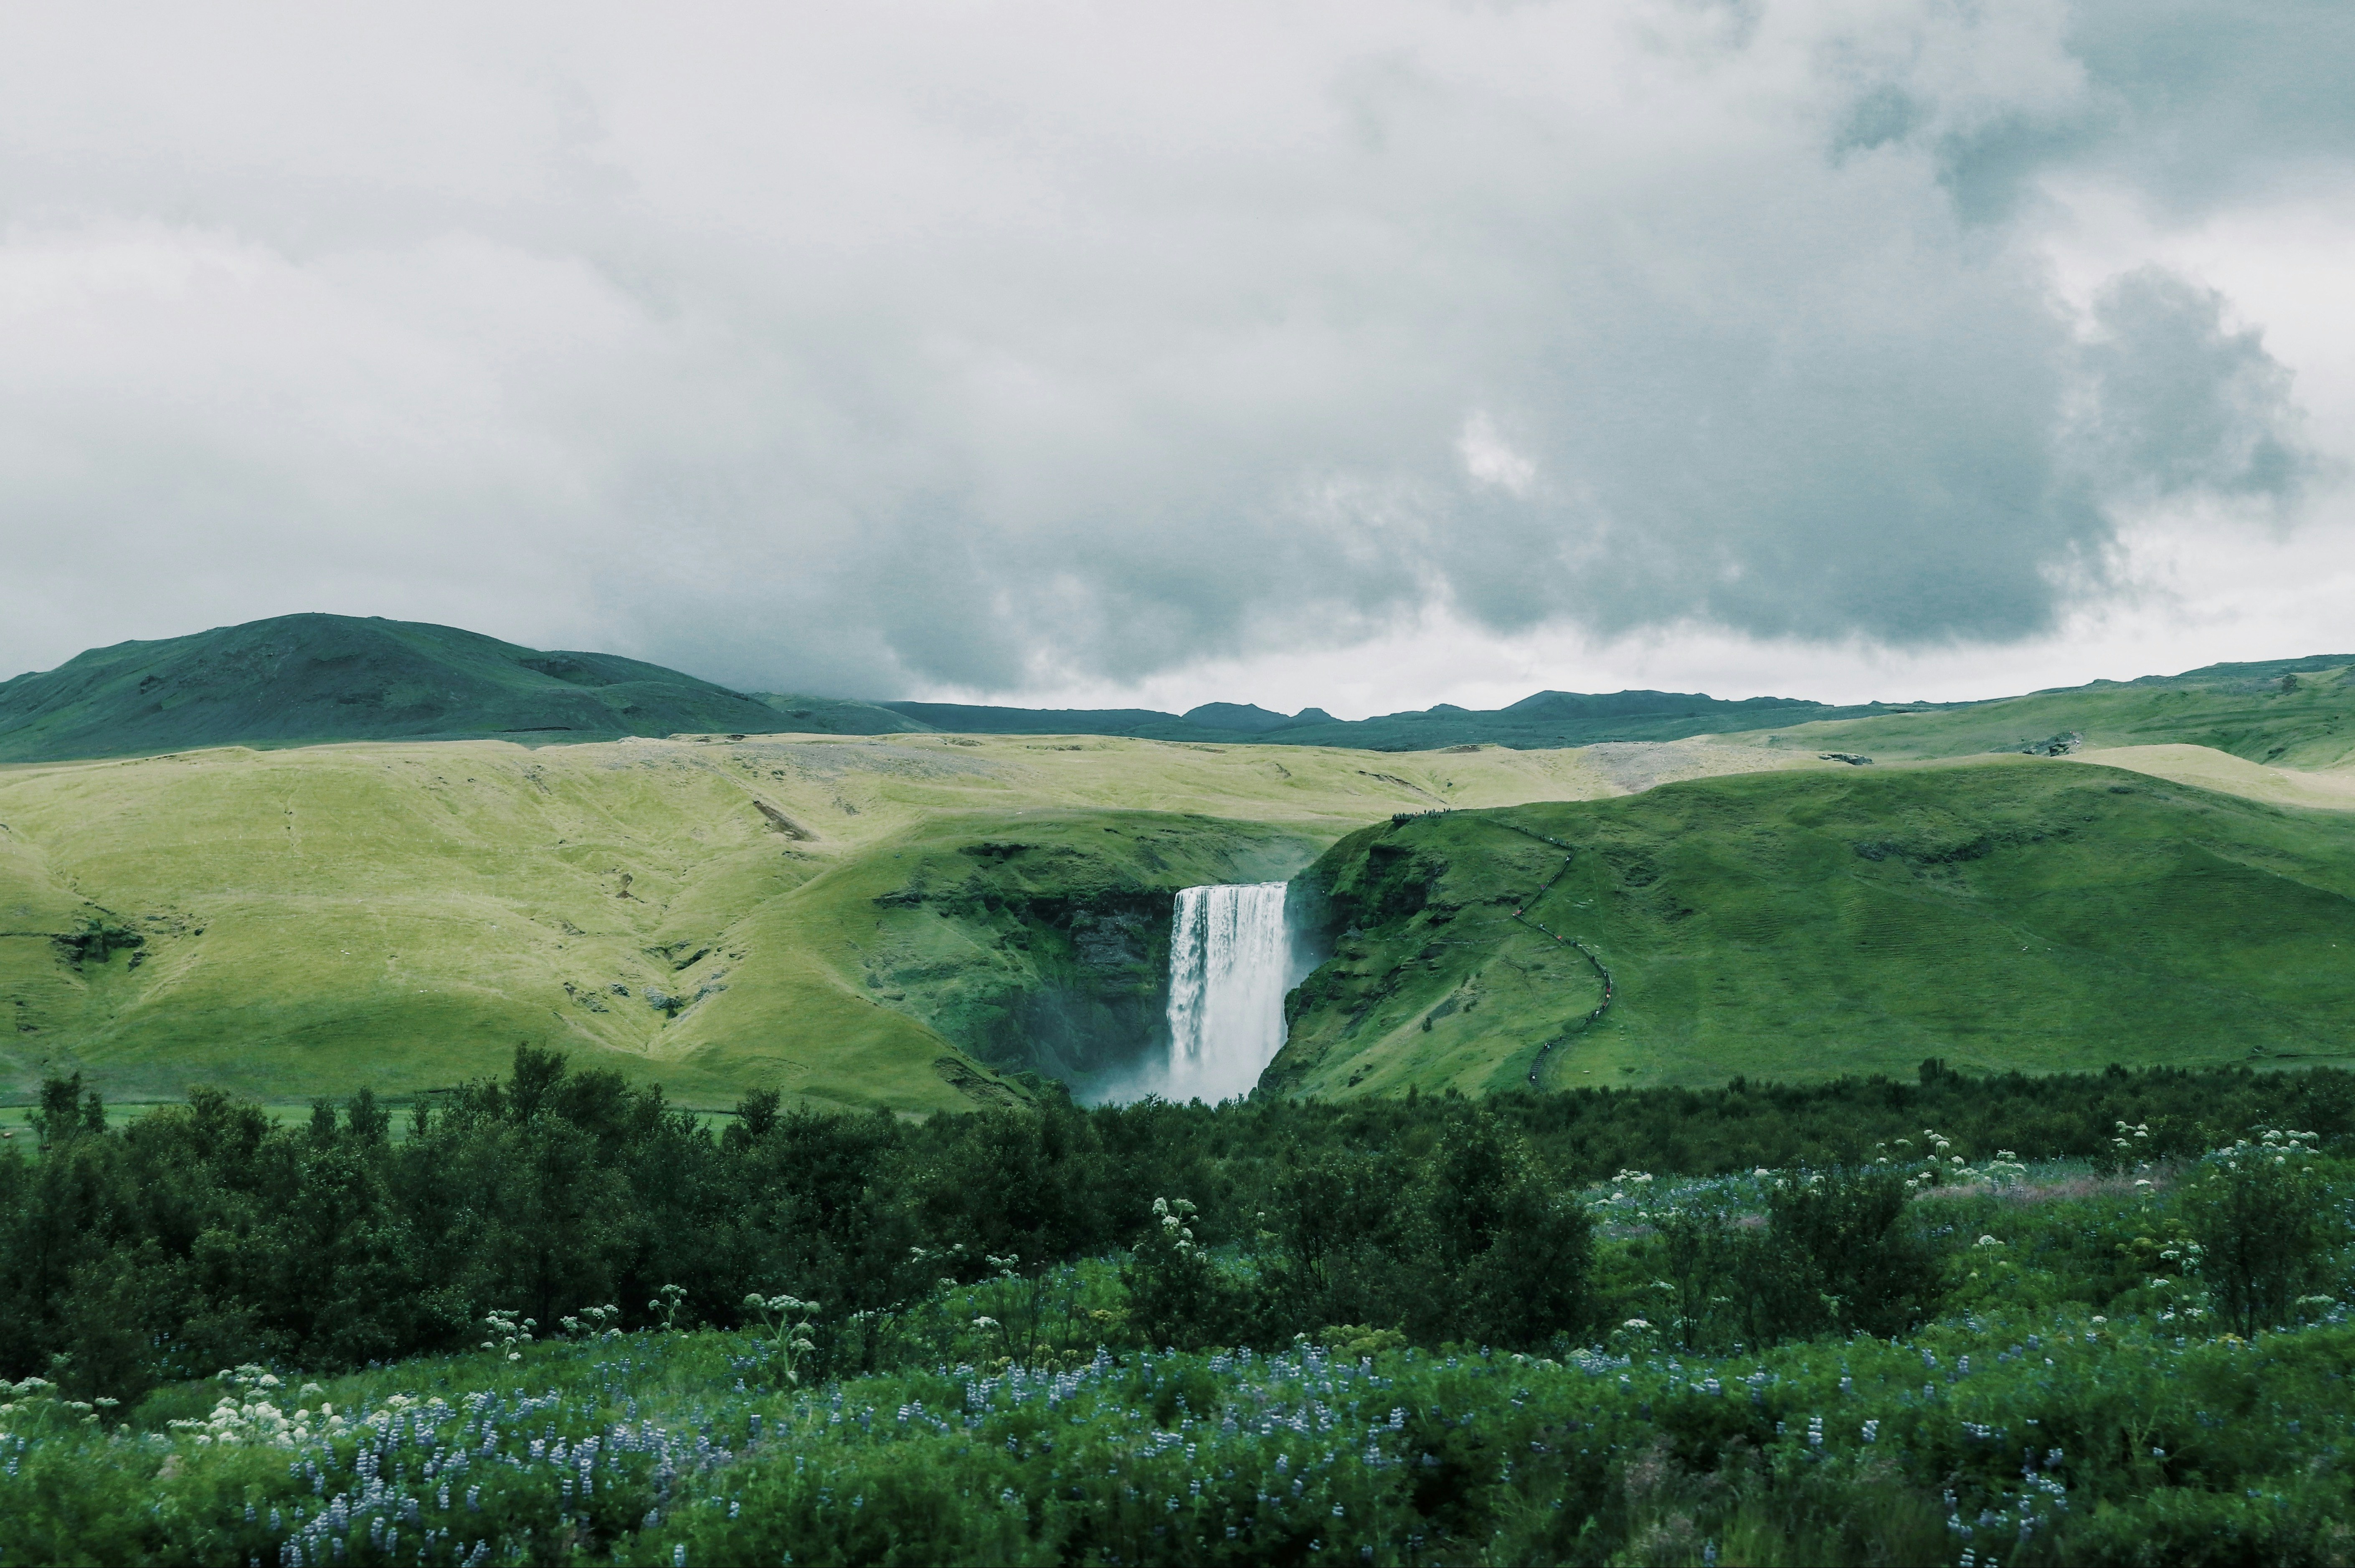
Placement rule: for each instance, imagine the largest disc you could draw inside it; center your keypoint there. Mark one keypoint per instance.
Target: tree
(1505, 1258)
(1839, 1255)
(2257, 1214)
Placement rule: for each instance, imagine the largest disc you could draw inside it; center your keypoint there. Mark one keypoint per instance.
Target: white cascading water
(1230, 965)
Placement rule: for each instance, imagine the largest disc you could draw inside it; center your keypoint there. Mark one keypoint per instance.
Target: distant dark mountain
(1549, 718)
(301, 679)
(1239, 716)
(1545, 719)
(1579, 707)
(305, 679)
(2209, 707)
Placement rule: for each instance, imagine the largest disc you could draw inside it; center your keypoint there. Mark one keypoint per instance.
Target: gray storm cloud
(857, 351)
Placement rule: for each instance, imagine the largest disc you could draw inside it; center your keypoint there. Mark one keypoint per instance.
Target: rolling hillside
(2294, 713)
(301, 679)
(314, 678)
(856, 921)
(2011, 913)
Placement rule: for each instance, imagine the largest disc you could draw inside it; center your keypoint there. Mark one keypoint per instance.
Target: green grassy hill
(2290, 713)
(2294, 713)
(2011, 913)
(298, 679)
(856, 920)
(805, 714)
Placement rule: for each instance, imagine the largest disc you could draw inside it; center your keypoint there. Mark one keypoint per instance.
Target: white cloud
(1070, 348)
(1489, 461)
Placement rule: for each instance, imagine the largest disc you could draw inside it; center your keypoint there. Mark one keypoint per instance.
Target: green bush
(2258, 1215)
(1841, 1255)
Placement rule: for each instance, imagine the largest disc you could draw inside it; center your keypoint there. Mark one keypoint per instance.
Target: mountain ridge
(316, 678)
(1542, 720)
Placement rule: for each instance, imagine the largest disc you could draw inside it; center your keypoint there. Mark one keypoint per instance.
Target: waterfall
(1230, 965)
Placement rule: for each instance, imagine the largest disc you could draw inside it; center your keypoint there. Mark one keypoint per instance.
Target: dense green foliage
(2079, 1401)
(2016, 912)
(295, 680)
(204, 1235)
(2042, 1439)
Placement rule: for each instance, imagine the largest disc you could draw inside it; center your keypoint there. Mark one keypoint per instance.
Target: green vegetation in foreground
(2141, 1359)
(2007, 914)
(301, 679)
(207, 1234)
(2289, 713)
(2049, 1437)
(798, 913)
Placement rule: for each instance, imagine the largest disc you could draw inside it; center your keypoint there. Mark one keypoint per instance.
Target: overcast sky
(1368, 354)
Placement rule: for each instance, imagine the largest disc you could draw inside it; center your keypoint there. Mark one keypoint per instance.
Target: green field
(2009, 913)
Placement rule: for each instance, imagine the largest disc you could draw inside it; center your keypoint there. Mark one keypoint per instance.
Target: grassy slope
(298, 679)
(404, 914)
(2023, 914)
(2204, 768)
(2250, 716)
(837, 716)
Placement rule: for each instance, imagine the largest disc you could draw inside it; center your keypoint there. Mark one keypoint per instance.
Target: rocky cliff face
(1375, 881)
(1050, 954)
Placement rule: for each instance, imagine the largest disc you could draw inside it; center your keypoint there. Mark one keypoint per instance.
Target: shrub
(2257, 1212)
(1177, 1296)
(1841, 1255)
